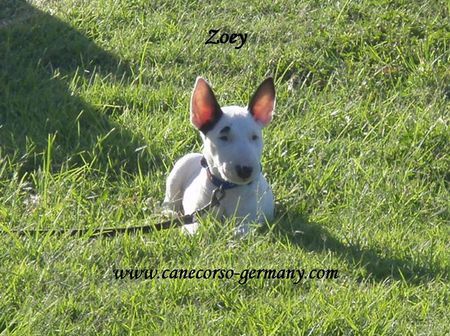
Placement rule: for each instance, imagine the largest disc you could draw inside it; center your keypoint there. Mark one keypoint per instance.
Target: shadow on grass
(40, 58)
(316, 238)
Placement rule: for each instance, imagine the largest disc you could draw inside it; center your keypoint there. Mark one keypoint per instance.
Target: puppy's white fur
(232, 139)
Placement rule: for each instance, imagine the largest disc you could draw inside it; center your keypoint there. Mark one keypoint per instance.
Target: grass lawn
(94, 102)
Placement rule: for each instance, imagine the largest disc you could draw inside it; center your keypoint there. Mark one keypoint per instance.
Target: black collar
(217, 181)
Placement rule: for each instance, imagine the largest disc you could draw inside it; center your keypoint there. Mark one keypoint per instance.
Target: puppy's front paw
(169, 210)
(169, 213)
(190, 229)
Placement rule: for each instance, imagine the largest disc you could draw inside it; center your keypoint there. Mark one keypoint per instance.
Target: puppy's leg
(180, 176)
(174, 191)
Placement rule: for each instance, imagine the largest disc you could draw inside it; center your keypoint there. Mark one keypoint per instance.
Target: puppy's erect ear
(262, 103)
(205, 111)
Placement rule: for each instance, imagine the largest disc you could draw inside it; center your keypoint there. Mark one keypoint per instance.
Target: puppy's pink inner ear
(262, 103)
(262, 109)
(203, 104)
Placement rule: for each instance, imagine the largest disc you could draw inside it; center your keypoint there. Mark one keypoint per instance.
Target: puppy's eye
(223, 138)
(255, 137)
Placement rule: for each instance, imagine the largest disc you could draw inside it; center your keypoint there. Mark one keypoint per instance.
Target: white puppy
(231, 159)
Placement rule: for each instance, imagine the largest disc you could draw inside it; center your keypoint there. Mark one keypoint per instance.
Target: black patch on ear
(208, 126)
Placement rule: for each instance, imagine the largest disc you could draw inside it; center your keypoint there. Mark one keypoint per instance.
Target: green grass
(94, 102)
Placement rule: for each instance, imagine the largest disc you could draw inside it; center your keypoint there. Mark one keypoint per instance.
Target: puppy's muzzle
(244, 172)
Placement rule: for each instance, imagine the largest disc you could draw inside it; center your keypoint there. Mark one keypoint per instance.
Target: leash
(217, 195)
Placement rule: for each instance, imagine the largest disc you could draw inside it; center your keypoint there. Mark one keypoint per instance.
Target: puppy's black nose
(244, 172)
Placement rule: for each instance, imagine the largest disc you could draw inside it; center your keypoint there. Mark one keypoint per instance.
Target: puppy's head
(232, 135)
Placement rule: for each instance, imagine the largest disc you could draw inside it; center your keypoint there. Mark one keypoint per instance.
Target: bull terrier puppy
(231, 159)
